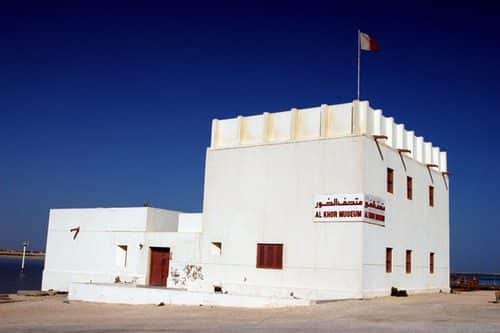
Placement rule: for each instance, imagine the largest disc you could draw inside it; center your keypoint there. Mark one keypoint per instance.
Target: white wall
(162, 220)
(410, 224)
(326, 121)
(126, 294)
(265, 194)
(184, 251)
(190, 222)
(92, 256)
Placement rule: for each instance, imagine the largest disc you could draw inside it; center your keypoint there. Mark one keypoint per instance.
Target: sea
(11, 277)
(484, 279)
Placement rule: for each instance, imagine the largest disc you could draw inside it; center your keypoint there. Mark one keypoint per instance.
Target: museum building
(331, 202)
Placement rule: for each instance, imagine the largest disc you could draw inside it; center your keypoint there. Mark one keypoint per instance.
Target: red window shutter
(260, 255)
(431, 196)
(279, 257)
(408, 261)
(388, 260)
(270, 256)
(390, 180)
(409, 188)
(265, 262)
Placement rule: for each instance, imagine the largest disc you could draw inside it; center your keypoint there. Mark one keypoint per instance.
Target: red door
(160, 258)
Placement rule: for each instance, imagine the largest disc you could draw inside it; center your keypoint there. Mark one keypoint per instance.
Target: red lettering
(330, 214)
(350, 213)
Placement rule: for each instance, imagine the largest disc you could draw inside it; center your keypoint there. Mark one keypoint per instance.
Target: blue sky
(109, 104)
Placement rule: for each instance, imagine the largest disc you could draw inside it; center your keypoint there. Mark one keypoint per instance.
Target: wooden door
(160, 259)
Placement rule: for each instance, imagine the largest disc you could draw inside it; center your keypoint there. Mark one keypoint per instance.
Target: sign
(357, 207)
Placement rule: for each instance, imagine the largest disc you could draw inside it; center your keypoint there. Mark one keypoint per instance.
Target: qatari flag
(367, 42)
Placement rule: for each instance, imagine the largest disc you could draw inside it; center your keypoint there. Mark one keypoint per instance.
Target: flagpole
(359, 61)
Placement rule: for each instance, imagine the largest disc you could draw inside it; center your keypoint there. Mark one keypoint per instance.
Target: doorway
(160, 260)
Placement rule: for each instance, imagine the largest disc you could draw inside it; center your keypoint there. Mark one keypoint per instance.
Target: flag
(367, 42)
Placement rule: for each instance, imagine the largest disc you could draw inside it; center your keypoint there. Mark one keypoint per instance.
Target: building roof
(323, 122)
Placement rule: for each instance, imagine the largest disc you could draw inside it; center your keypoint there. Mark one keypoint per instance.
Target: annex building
(330, 202)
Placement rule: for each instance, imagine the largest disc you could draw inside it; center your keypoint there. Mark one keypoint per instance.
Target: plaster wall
(127, 294)
(325, 121)
(162, 220)
(410, 225)
(262, 194)
(95, 254)
(190, 222)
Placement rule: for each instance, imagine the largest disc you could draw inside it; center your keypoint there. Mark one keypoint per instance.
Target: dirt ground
(464, 312)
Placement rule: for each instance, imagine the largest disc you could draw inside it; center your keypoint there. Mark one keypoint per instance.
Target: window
(388, 260)
(216, 248)
(409, 188)
(408, 261)
(121, 256)
(431, 263)
(390, 180)
(431, 196)
(270, 256)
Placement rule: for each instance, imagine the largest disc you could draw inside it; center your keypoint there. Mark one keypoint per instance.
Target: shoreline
(20, 255)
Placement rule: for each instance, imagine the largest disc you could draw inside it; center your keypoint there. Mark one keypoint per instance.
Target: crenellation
(435, 156)
(252, 130)
(325, 121)
(268, 126)
(419, 149)
(398, 135)
(376, 128)
(427, 153)
(281, 127)
(409, 143)
(388, 130)
(443, 167)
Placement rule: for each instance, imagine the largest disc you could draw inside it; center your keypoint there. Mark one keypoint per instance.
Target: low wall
(130, 294)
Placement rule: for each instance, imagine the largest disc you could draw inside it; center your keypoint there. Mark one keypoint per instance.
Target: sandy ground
(464, 312)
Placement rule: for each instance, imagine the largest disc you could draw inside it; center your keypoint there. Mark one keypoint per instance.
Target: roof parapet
(325, 121)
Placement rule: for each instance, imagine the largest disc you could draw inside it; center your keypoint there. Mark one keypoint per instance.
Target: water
(489, 280)
(11, 278)
(483, 280)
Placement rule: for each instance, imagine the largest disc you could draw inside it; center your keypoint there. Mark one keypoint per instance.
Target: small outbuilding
(125, 245)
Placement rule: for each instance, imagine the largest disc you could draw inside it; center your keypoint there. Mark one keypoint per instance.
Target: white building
(101, 244)
(330, 202)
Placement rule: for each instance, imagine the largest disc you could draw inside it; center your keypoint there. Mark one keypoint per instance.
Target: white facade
(97, 255)
(263, 175)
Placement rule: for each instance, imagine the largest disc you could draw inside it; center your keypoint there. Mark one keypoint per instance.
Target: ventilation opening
(216, 248)
(121, 256)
